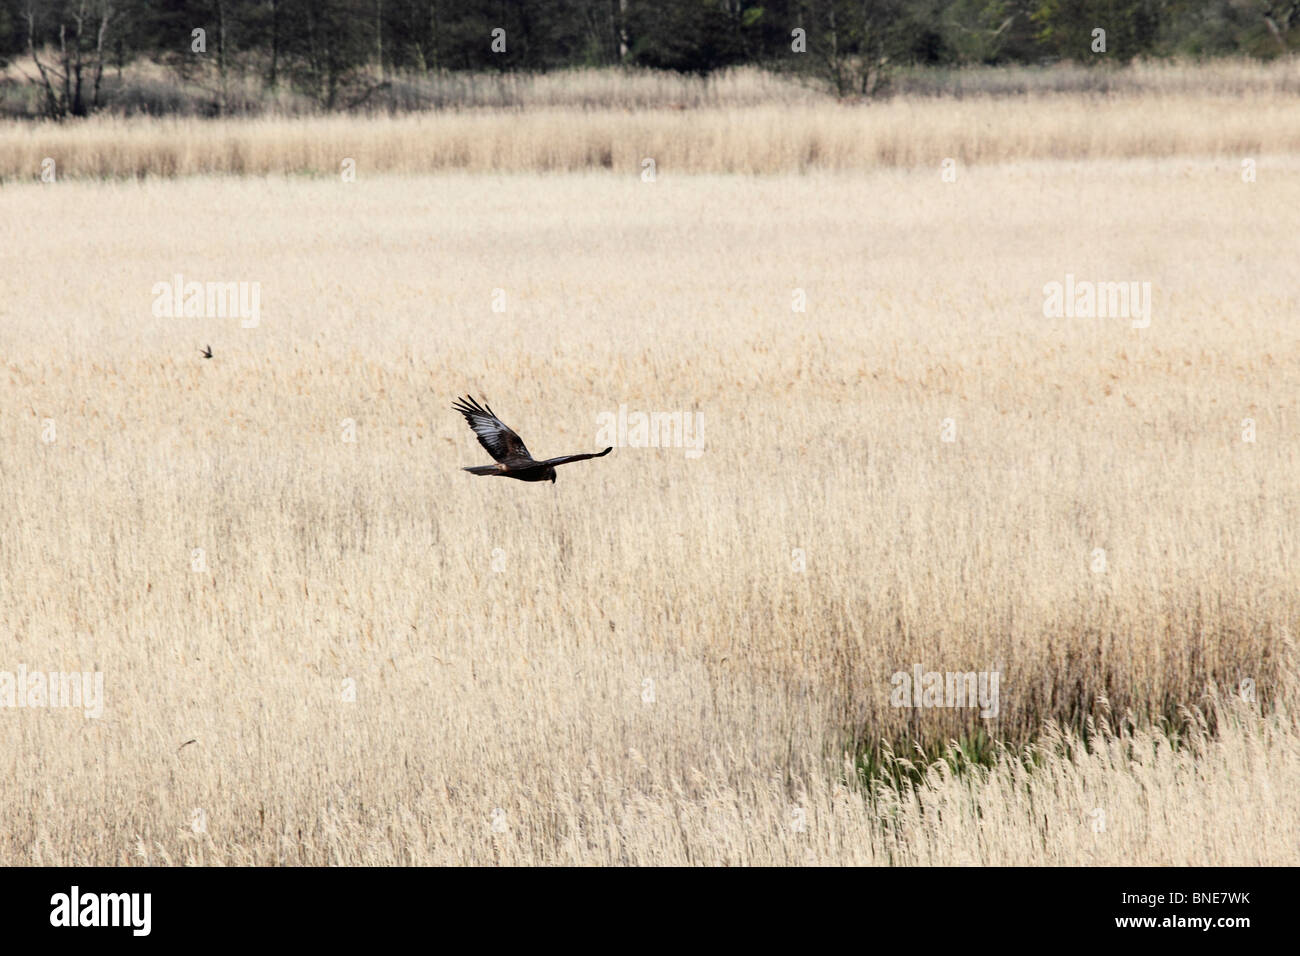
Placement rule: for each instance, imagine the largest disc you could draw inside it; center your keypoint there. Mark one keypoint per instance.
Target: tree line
(337, 51)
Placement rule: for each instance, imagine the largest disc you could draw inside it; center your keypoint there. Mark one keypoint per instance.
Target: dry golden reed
(660, 658)
(904, 132)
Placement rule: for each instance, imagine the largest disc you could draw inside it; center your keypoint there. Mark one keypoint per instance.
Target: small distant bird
(513, 459)
(206, 351)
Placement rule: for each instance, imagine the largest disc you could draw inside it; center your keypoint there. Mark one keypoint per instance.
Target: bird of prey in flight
(206, 352)
(513, 459)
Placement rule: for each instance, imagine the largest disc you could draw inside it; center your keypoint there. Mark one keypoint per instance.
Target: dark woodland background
(71, 55)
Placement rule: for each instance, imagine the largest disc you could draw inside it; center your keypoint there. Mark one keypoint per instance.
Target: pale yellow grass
(524, 689)
(904, 132)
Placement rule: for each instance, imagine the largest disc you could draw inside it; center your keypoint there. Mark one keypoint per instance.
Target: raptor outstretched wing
(493, 434)
(568, 458)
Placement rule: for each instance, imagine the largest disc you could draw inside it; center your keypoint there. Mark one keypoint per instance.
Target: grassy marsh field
(324, 643)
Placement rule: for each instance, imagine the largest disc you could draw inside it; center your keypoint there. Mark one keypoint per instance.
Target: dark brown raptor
(513, 458)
